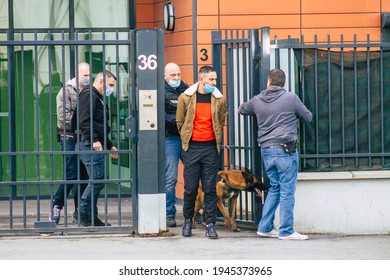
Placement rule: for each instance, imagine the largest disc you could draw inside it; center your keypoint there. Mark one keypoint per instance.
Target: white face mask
(109, 90)
(84, 81)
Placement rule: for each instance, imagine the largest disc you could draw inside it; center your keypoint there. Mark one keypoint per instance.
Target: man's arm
(246, 108)
(180, 112)
(301, 111)
(63, 101)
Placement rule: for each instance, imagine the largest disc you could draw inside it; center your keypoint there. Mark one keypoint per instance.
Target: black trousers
(200, 163)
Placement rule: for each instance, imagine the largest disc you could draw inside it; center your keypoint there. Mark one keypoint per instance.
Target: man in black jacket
(95, 138)
(174, 86)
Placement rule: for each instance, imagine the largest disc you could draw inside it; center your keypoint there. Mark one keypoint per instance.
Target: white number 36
(149, 62)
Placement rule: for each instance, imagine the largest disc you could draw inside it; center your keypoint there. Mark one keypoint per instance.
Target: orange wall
(284, 17)
(296, 18)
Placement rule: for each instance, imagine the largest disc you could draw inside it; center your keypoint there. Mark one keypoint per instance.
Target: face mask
(109, 90)
(207, 88)
(84, 81)
(174, 83)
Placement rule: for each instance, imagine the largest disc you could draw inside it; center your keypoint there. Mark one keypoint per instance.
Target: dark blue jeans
(95, 165)
(172, 156)
(71, 174)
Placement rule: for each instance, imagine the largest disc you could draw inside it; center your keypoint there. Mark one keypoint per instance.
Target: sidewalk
(243, 245)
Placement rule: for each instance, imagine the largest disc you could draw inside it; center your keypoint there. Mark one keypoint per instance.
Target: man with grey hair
(66, 105)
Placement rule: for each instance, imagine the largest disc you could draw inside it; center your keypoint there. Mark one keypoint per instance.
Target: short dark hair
(277, 77)
(206, 69)
(109, 75)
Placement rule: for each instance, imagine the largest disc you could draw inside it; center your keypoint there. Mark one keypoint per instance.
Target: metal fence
(343, 84)
(33, 68)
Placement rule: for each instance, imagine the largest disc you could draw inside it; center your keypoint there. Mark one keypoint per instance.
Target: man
(174, 86)
(95, 138)
(276, 111)
(200, 118)
(66, 105)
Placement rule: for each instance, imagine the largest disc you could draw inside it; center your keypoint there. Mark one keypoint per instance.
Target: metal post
(265, 62)
(151, 129)
(255, 89)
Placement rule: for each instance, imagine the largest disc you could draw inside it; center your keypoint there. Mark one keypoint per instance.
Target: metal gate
(33, 68)
(342, 83)
(243, 59)
(236, 58)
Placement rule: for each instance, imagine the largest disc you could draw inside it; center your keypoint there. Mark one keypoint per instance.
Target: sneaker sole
(267, 235)
(212, 237)
(293, 238)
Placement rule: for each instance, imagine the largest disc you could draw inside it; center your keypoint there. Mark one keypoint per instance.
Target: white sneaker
(273, 234)
(294, 236)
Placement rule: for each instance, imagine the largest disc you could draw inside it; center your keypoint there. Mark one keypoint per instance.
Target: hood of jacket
(72, 83)
(272, 93)
(192, 89)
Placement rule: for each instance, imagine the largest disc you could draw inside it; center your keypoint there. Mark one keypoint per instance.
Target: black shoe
(187, 228)
(99, 223)
(85, 220)
(210, 231)
(171, 222)
(75, 217)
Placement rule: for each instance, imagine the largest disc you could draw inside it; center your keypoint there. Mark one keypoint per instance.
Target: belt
(273, 146)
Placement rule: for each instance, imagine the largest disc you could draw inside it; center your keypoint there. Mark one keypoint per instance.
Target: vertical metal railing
(342, 83)
(32, 164)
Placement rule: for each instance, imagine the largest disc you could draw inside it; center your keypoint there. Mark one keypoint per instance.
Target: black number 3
(204, 55)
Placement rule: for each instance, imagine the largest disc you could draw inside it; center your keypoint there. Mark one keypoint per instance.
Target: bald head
(83, 74)
(172, 72)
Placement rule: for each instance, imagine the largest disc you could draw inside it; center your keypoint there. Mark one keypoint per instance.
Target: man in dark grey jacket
(276, 111)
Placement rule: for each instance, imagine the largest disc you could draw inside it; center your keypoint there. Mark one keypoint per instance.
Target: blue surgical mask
(174, 83)
(207, 88)
(109, 90)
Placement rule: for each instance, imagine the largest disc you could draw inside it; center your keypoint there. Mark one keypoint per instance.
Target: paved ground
(244, 245)
(231, 245)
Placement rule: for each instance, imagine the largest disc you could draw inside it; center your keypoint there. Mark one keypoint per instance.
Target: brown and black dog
(231, 183)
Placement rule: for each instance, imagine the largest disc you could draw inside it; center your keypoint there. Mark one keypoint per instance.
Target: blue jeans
(282, 171)
(95, 165)
(71, 174)
(172, 156)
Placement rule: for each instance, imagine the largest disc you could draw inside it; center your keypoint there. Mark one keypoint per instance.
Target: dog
(231, 183)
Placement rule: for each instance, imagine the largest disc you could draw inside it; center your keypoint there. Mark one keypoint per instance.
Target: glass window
(41, 13)
(101, 13)
(3, 14)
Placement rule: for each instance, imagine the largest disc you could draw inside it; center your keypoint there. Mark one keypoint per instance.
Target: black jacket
(96, 133)
(171, 97)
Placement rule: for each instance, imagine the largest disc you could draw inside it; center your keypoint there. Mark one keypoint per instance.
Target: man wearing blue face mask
(66, 105)
(95, 138)
(174, 86)
(200, 118)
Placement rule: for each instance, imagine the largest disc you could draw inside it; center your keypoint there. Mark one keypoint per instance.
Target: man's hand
(114, 155)
(97, 146)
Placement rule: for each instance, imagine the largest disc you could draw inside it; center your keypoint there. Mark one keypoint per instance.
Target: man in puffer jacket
(66, 105)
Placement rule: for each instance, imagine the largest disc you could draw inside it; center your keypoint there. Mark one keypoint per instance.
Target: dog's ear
(247, 176)
(247, 170)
